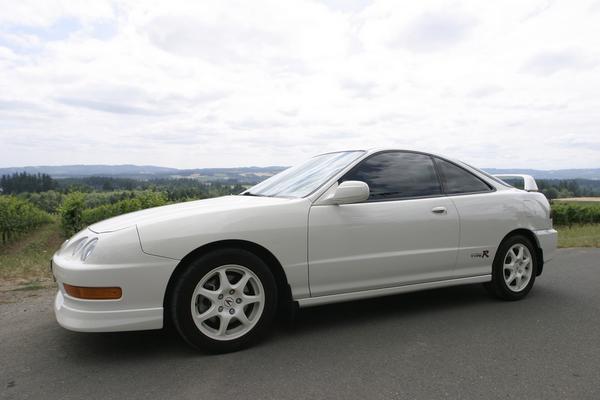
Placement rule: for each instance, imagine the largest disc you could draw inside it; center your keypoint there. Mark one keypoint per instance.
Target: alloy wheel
(227, 302)
(517, 267)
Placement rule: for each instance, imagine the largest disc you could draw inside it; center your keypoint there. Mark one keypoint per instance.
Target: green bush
(49, 201)
(97, 199)
(75, 216)
(143, 201)
(70, 213)
(567, 214)
(82, 209)
(18, 216)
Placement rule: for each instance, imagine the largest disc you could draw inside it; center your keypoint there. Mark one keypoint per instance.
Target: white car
(342, 226)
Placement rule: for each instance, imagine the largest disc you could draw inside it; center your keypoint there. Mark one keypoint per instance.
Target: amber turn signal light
(93, 293)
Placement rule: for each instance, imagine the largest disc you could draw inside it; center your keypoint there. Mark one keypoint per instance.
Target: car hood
(214, 205)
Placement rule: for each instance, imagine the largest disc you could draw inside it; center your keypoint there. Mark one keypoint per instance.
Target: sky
(190, 84)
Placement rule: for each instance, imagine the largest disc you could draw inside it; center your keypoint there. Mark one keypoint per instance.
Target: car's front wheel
(224, 301)
(514, 269)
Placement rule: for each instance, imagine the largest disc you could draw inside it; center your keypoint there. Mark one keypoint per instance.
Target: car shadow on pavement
(126, 345)
(308, 321)
(381, 309)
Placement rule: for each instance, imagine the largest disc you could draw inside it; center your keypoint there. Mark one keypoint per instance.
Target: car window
(394, 175)
(458, 180)
(492, 177)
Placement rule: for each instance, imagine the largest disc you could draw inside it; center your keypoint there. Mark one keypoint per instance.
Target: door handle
(439, 210)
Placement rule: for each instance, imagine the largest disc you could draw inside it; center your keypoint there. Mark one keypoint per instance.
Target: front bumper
(82, 320)
(117, 261)
(547, 240)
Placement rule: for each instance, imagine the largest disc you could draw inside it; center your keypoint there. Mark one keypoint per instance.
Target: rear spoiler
(529, 183)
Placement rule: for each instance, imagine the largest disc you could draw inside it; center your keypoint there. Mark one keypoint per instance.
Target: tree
(551, 193)
(564, 193)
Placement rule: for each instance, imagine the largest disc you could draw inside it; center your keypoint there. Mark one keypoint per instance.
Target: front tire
(224, 301)
(514, 269)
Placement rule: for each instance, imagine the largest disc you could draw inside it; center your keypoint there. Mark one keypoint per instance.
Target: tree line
(22, 182)
(178, 189)
(29, 200)
(562, 188)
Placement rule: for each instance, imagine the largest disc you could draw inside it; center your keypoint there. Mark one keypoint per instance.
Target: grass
(589, 200)
(579, 203)
(32, 285)
(25, 261)
(579, 236)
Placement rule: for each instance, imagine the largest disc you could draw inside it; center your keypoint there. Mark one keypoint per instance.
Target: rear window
(458, 180)
(492, 177)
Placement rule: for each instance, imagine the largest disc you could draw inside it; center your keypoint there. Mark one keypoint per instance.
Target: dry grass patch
(579, 235)
(24, 264)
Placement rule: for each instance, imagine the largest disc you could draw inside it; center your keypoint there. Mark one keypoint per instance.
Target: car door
(406, 232)
(485, 214)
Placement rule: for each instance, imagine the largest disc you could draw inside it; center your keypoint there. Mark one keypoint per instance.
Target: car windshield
(303, 179)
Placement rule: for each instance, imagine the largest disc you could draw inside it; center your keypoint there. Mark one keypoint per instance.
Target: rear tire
(224, 301)
(514, 269)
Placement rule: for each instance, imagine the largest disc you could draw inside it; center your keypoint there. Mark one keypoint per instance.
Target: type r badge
(483, 254)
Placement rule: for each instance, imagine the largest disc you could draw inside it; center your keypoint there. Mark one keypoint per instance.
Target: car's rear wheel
(514, 269)
(224, 301)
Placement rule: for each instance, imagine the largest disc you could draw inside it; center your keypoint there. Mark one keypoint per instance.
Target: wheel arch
(531, 236)
(283, 287)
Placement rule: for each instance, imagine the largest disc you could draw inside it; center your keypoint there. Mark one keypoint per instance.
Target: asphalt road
(452, 343)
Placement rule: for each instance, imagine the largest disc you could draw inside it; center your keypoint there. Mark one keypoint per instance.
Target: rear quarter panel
(485, 219)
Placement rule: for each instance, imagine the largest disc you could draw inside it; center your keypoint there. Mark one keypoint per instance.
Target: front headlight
(115, 247)
(77, 245)
(64, 244)
(88, 249)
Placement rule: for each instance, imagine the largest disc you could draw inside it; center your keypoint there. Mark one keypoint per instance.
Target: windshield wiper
(252, 194)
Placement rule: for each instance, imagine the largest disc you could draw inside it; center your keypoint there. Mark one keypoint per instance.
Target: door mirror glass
(349, 192)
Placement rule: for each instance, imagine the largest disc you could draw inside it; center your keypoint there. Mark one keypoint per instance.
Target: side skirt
(337, 298)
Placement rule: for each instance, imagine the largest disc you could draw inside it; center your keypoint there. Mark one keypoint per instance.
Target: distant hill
(241, 174)
(70, 171)
(145, 172)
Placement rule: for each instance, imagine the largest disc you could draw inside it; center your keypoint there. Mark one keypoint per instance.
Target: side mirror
(349, 192)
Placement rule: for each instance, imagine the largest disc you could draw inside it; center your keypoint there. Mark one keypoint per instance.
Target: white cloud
(193, 84)
(549, 62)
(436, 31)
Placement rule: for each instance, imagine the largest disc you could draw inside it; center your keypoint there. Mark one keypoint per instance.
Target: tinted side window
(397, 175)
(458, 180)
